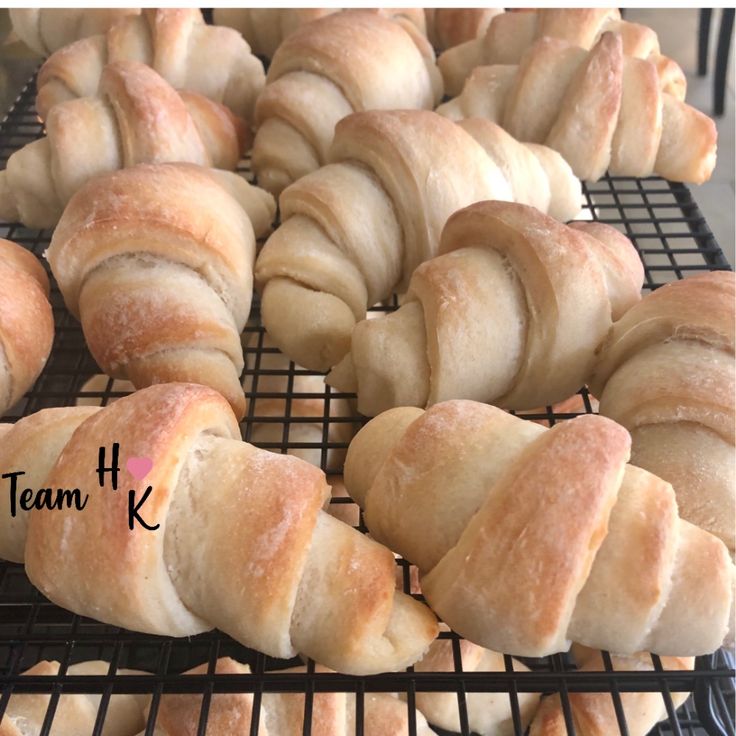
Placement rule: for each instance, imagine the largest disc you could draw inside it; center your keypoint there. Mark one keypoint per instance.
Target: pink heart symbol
(139, 467)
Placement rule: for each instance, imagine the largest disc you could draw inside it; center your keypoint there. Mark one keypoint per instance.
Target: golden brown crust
(26, 322)
(499, 552)
(229, 713)
(271, 568)
(152, 118)
(594, 714)
(129, 567)
(194, 262)
(464, 489)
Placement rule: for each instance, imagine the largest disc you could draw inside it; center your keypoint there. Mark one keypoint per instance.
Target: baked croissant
(527, 538)
(265, 28)
(666, 373)
(282, 714)
(258, 559)
(509, 35)
(594, 714)
(213, 61)
(75, 713)
(600, 109)
(156, 261)
(46, 30)
(489, 713)
(313, 83)
(137, 118)
(354, 231)
(532, 296)
(26, 322)
(449, 27)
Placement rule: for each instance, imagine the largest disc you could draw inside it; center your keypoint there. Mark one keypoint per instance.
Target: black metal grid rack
(673, 239)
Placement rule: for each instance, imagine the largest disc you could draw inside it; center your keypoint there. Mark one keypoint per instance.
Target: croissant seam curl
(526, 537)
(137, 118)
(510, 35)
(26, 322)
(666, 373)
(354, 231)
(156, 261)
(600, 109)
(262, 561)
(213, 61)
(313, 82)
(534, 297)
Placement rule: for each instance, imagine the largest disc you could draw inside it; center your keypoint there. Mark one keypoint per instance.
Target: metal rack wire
(673, 239)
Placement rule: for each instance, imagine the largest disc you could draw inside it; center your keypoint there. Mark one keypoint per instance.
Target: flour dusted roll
(46, 30)
(509, 35)
(600, 109)
(211, 60)
(534, 297)
(156, 262)
(354, 231)
(262, 561)
(528, 538)
(313, 83)
(137, 118)
(26, 322)
(666, 373)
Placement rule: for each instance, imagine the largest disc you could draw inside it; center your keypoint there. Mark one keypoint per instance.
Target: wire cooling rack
(673, 239)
